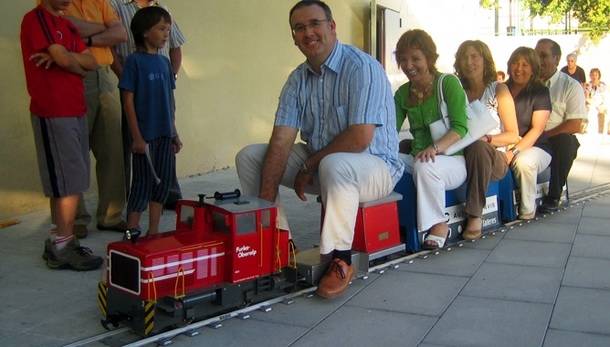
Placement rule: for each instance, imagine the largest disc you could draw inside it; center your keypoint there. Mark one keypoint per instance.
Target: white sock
(60, 242)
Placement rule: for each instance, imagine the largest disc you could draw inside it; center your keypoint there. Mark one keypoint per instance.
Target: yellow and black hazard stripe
(102, 295)
(149, 317)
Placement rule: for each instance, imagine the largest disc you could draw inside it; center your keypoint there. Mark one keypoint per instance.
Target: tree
(592, 15)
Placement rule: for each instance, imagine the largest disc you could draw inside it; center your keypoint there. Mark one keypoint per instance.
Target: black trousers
(565, 149)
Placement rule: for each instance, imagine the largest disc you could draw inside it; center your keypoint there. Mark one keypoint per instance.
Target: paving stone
(410, 292)
(366, 327)
(587, 272)
(458, 262)
(530, 253)
(307, 312)
(486, 322)
(515, 282)
(582, 309)
(592, 246)
(240, 333)
(596, 210)
(562, 338)
(570, 216)
(489, 242)
(11, 338)
(543, 231)
(594, 226)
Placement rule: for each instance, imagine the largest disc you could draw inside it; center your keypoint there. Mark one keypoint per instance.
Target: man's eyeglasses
(313, 24)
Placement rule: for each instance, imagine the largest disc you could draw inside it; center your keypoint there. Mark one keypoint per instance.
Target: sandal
(433, 242)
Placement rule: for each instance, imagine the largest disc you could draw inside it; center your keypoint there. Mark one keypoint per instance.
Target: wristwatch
(306, 170)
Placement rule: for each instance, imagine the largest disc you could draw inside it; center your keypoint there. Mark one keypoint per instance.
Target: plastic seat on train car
(454, 210)
(376, 226)
(509, 194)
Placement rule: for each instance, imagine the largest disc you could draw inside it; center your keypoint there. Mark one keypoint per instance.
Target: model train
(227, 252)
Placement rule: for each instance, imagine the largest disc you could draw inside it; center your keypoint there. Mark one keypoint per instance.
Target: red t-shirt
(54, 92)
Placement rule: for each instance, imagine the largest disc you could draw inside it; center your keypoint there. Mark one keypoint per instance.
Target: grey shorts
(62, 147)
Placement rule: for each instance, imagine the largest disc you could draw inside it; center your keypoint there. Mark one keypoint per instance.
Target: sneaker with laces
(72, 256)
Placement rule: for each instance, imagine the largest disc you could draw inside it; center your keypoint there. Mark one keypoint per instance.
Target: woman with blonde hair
(485, 159)
(433, 172)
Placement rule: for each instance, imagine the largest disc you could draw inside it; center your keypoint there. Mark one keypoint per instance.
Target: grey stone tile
(485, 322)
(489, 242)
(543, 231)
(365, 327)
(592, 246)
(594, 226)
(571, 215)
(307, 312)
(410, 292)
(587, 272)
(530, 253)
(596, 210)
(458, 262)
(515, 282)
(562, 338)
(582, 309)
(241, 333)
(11, 338)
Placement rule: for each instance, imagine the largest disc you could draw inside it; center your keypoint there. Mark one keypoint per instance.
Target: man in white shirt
(568, 100)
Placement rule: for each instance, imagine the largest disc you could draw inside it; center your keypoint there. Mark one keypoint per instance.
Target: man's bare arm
(275, 161)
(78, 63)
(354, 139)
(102, 35)
(86, 28)
(175, 57)
(571, 126)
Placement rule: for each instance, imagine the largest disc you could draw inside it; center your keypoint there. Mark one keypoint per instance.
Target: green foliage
(592, 15)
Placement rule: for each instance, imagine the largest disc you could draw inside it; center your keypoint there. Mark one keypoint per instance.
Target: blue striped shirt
(352, 88)
(126, 9)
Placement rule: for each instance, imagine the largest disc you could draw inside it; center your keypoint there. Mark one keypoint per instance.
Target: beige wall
(238, 55)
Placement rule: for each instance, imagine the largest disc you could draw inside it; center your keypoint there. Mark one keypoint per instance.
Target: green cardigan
(420, 116)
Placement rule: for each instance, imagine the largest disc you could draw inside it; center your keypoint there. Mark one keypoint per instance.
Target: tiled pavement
(545, 283)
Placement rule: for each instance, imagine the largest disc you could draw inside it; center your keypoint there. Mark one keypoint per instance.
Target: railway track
(124, 337)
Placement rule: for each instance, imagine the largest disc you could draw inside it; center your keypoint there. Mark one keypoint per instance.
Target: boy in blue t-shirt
(147, 86)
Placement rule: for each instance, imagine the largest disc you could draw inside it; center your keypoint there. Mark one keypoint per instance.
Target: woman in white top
(485, 158)
(595, 92)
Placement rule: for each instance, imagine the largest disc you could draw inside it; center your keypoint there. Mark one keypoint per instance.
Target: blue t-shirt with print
(149, 77)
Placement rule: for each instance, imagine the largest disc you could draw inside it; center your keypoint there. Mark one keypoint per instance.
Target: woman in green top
(433, 172)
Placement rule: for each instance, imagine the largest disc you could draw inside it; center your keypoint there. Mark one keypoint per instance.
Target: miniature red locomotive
(221, 254)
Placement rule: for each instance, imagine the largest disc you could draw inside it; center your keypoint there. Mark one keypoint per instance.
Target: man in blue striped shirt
(341, 102)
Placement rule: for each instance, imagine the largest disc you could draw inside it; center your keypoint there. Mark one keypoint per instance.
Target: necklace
(420, 94)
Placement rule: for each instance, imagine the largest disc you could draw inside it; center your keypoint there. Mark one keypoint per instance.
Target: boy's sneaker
(73, 256)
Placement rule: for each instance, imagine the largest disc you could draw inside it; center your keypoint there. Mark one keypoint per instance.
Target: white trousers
(526, 167)
(431, 180)
(343, 181)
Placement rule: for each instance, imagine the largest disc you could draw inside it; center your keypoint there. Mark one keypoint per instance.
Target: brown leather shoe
(335, 280)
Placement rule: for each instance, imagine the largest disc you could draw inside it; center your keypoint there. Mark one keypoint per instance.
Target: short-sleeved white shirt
(568, 99)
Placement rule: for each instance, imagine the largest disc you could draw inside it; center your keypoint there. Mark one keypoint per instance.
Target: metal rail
(576, 198)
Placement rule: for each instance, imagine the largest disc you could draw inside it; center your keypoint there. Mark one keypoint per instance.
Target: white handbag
(480, 122)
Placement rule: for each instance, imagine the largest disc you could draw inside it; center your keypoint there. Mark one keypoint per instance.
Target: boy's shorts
(62, 147)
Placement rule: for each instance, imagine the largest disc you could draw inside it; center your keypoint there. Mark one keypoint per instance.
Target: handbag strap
(441, 100)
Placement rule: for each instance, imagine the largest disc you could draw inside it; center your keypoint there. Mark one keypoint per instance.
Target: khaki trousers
(105, 141)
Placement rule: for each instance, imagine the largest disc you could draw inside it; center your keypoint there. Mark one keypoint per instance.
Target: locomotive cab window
(266, 218)
(187, 214)
(220, 222)
(246, 223)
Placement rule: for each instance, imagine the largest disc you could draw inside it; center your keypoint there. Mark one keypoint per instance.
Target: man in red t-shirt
(55, 60)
